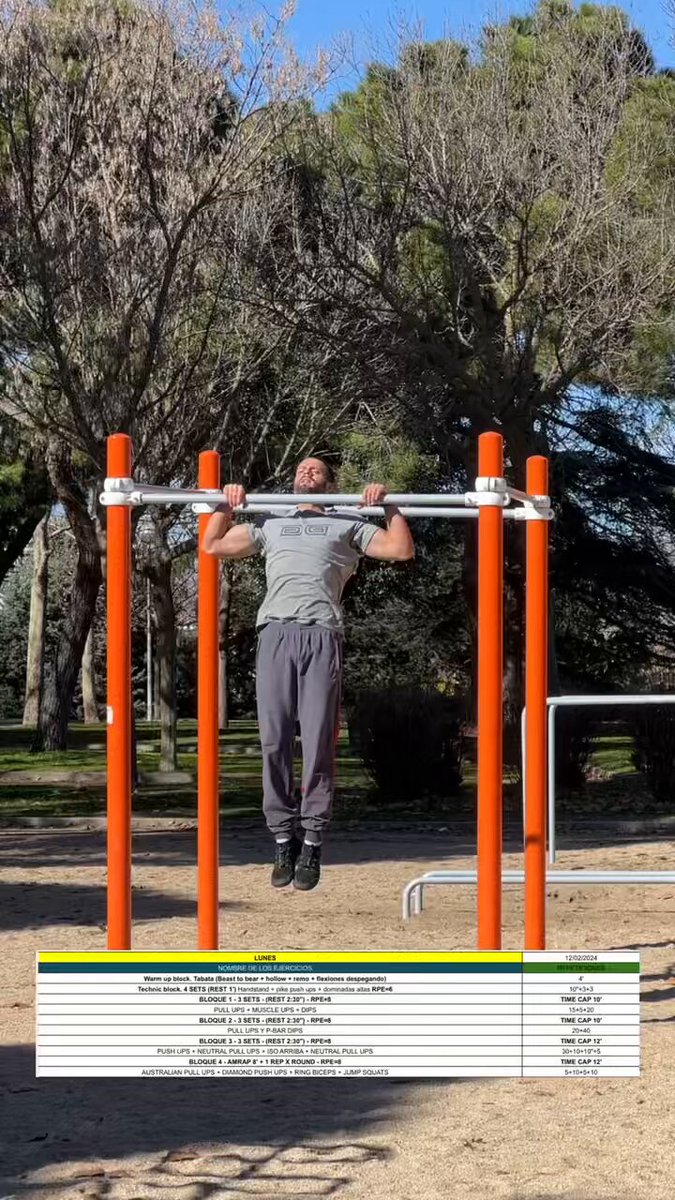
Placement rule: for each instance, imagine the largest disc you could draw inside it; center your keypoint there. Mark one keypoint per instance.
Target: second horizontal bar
(449, 514)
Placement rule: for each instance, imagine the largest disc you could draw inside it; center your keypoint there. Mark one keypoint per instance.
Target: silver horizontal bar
(554, 877)
(413, 893)
(450, 514)
(337, 499)
(456, 514)
(202, 500)
(126, 493)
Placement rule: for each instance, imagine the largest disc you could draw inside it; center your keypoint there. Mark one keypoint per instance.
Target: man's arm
(395, 543)
(224, 539)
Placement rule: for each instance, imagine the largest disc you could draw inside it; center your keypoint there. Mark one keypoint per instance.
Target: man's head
(313, 475)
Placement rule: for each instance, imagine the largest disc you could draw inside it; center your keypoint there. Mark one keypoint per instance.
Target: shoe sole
(305, 887)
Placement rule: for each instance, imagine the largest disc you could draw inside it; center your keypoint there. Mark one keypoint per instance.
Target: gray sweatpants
(298, 678)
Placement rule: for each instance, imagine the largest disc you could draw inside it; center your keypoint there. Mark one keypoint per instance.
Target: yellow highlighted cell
(280, 956)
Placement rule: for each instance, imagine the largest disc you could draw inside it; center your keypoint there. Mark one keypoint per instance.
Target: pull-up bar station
(490, 503)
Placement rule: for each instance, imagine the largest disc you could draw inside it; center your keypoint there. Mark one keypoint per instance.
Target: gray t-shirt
(309, 556)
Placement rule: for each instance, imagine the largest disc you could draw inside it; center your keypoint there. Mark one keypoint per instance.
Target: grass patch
(59, 760)
(240, 773)
(239, 752)
(613, 754)
(617, 787)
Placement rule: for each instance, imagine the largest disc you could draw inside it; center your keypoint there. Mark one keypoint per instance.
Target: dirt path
(146, 1139)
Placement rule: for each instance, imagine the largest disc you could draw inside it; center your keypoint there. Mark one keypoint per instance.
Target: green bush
(411, 743)
(654, 752)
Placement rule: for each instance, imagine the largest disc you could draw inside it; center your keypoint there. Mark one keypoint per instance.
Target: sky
(371, 22)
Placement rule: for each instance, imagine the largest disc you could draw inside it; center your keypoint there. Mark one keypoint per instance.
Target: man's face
(312, 476)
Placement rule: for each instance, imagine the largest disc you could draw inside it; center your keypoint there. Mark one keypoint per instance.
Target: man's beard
(310, 489)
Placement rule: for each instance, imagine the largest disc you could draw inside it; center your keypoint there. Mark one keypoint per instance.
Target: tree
(132, 140)
(476, 236)
(612, 548)
(480, 216)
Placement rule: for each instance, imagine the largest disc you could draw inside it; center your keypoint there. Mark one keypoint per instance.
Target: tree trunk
(89, 704)
(224, 611)
(57, 701)
(165, 652)
(36, 625)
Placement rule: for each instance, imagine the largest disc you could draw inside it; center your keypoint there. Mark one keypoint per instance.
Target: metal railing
(413, 893)
(625, 700)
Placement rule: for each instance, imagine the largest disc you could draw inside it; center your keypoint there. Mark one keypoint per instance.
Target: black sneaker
(308, 868)
(285, 857)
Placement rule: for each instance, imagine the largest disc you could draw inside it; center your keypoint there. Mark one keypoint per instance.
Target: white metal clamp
(117, 491)
(490, 492)
(534, 508)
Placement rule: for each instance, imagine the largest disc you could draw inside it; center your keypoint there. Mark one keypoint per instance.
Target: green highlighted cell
(581, 968)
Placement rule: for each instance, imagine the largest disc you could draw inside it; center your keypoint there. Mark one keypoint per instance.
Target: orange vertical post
(536, 695)
(490, 694)
(119, 716)
(208, 780)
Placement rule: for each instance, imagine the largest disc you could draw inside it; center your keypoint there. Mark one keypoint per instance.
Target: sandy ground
(205, 1139)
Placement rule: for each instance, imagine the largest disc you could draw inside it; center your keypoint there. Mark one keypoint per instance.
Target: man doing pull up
(310, 554)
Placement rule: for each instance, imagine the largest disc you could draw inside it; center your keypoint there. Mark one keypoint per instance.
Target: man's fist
(234, 495)
(373, 494)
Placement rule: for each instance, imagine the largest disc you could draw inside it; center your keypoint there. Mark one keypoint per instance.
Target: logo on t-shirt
(298, 530)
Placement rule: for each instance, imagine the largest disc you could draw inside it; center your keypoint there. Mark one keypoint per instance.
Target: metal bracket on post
(495, 492)
(491, 492)
(534, 508)
(117, 492)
